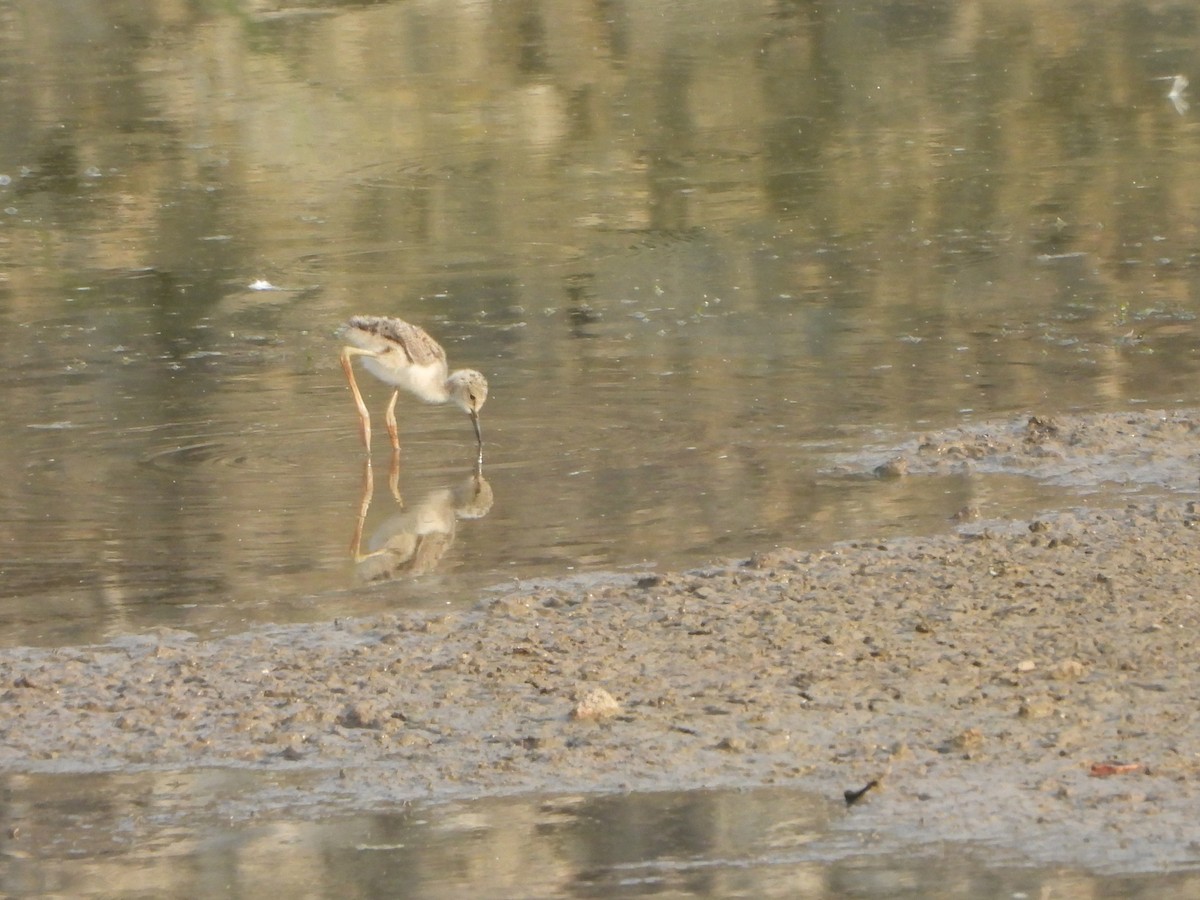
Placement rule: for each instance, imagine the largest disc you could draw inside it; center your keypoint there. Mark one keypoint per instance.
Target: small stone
(893, 468)
(514, 605)
(595, 703)
(359, 715)
(966, 514)
(1036, 709)
(1038, 428)
(967, 741)
(1026, 665)
(1067, 670)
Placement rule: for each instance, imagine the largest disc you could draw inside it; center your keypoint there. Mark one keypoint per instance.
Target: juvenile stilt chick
(404, 355)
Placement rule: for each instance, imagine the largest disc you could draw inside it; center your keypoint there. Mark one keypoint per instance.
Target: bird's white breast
(427, 382)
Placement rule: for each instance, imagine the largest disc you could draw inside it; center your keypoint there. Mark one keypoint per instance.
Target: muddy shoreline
(980, 676)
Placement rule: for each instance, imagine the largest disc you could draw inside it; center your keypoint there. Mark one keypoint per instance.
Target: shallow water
(94, 836)
(695, 253)
(701, 251)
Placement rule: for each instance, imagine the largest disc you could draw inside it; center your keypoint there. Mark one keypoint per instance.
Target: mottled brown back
(413, 340)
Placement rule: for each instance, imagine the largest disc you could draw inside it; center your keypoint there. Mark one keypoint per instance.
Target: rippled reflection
(194, 835)
(413, 540)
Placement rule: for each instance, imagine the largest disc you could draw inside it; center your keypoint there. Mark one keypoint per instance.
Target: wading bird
(405, 356)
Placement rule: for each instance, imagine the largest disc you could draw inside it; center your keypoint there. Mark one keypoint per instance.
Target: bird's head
(469, 390)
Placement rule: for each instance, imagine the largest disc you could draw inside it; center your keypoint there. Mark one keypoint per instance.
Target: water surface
(695, 248)
(100, 836)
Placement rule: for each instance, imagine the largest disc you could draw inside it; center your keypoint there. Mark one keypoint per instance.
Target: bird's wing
(414, 340)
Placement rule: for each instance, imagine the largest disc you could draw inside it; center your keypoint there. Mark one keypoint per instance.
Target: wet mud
(1029, 686)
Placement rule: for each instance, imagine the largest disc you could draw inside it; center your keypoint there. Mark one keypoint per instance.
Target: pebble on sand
(595, 703)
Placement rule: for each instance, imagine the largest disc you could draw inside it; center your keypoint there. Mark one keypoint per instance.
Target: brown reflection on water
(231, 835)
(414, 539)
(695, 247)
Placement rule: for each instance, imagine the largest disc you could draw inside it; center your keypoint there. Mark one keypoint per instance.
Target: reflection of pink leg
(364, 503)
(364, 417)
(394, 477)
(393, 432)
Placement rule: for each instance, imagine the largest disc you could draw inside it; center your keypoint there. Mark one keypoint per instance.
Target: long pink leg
(393, 432)
(364, 417)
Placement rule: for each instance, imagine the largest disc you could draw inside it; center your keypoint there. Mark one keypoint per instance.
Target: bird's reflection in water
(414, 540)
